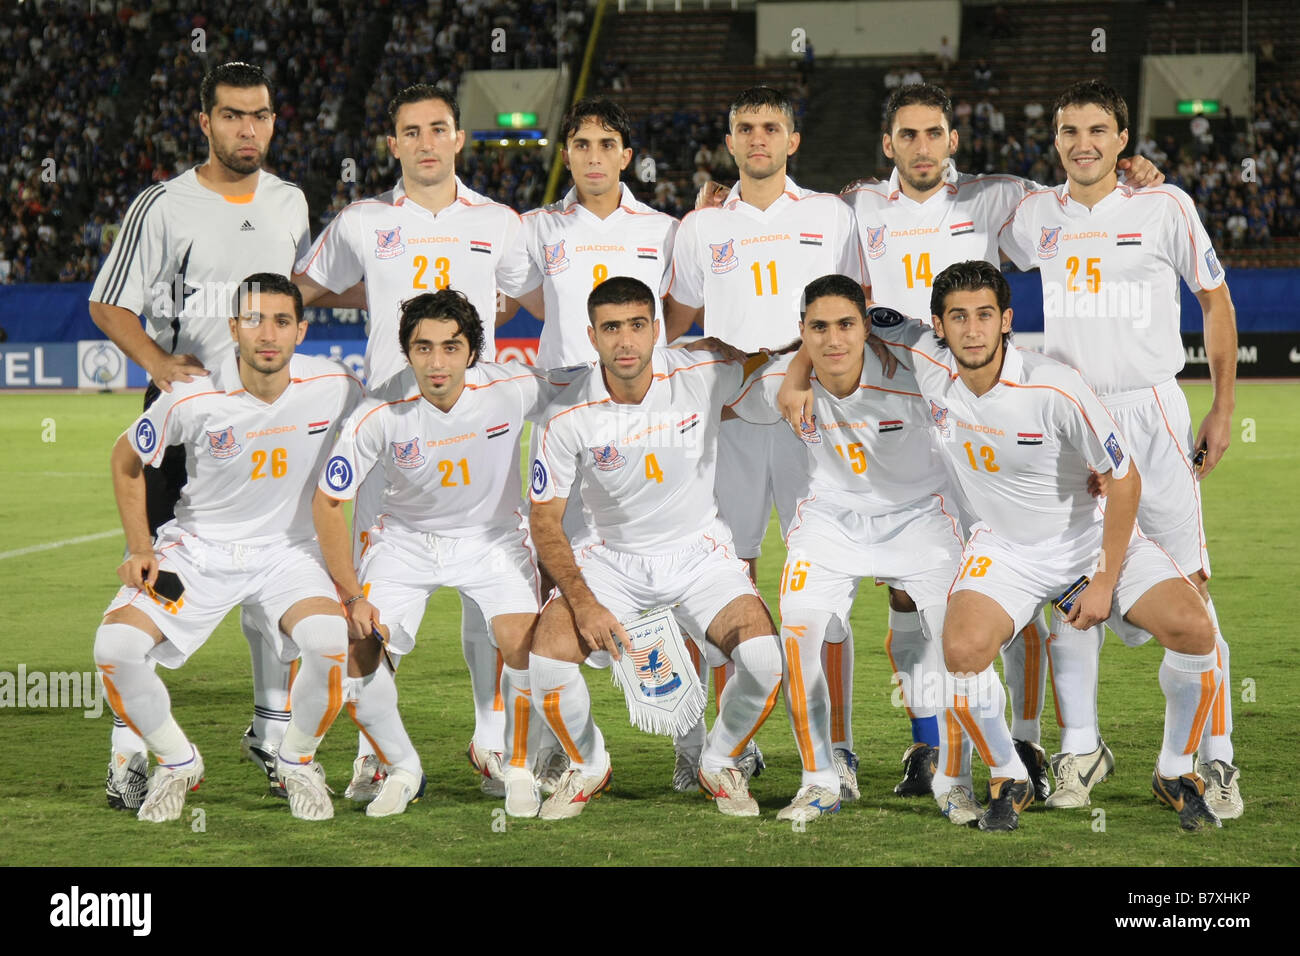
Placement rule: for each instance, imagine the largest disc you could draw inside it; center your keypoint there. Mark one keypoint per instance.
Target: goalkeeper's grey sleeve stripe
(130, 241)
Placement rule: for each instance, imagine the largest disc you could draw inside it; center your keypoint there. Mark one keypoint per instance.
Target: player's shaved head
(446, 304)
(917, 94)
(1093, 93)
(605, 113)
(756, 99)
(418, 94)
(839, 286)
(236, 74)
(263, 283)
(620, 290)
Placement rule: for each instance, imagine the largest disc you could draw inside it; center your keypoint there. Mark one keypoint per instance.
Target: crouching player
(1025, 434)
(256, 434)
(641, 429)
(450, 516)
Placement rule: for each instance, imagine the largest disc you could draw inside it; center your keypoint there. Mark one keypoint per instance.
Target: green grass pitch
(54, 486)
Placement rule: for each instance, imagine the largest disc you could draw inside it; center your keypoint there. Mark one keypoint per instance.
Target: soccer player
(255, 435)
(449, 459)
(183, 244)
(641, 428)
(1110, 258)
(1026, 436)
(429, 232)
(739, 269)
(875, 507)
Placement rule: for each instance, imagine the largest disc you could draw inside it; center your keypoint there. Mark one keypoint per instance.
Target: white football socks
(318, 689)
(1190, 682)
(747, 700)
(566, 707)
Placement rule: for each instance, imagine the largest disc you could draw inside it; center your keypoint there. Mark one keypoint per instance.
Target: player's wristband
(353, 600)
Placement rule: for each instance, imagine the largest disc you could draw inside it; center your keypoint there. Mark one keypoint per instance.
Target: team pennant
(657, 677)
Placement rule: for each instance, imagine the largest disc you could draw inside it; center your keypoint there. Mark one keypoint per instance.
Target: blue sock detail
(925, 730)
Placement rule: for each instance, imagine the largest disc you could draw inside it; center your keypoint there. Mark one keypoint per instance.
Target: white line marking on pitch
(51, 545)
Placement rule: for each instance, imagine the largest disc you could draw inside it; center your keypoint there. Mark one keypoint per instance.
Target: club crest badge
(875, 242)
(939, 415)
(556, 261)
(654, 670)
(608, 458)
(388, 243)
(222, 444)
(808, 431)
(406, 454)
(1047, 242)
(724, 256)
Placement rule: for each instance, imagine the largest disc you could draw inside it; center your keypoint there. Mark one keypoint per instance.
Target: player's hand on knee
(139, 569)
(1093, 603)
(363, 618)
(711, 194)
(1140, 171)
(175, 368)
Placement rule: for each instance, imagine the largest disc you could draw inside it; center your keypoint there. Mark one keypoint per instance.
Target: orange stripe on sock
(889, 652)
(335, 700)
(1208, 689)
(352, 712)
(1219, 723)
(953, 767)
(498, 702)
(551, 706)
(115, 702)
(719, 681)
(798, 700)
(519, 752)
(767, 709)
(835, 681)
(288, 691)
(694, 651)
(1051, 676)
(1033, 651)
(962, 710)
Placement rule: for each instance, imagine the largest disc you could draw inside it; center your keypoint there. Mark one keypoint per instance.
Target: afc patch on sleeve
(338, 473)
(540, 479)
(883, 317)
(145, 436)
(1212, 263)
(1112, 447)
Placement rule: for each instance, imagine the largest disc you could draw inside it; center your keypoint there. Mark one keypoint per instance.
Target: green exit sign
(1198, 106)
(516, 120)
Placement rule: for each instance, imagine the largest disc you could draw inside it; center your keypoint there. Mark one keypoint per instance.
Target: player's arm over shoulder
(756, 400)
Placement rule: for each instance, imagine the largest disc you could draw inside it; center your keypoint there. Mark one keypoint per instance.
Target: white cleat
(523, 799)
(167, 788)
(685, 767)
(399, 788)
(551, 765)
(367, 778)
(490, 766)
(304, 784)
(846, 765)
(573, 794)
(1222, 788)
(1077, 774)
(729, 789)
(810, 803)
(960, 806)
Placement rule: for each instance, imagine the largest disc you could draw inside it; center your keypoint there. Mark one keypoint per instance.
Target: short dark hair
(447, 304)
(970, 276)
(758, 98)
(619, 290)
(418, 94)
(261, 283)
(917, 94)
(840, 286)
(606, 112)
(1092, 93)
(243, 75)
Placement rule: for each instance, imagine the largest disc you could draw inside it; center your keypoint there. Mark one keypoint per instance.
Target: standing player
(741, 268)
(1110, 258)
(875, 508)
(182, 245)
(255, 435)
(429, 232)
(449, 459)
(641, 428)
(1024, 433)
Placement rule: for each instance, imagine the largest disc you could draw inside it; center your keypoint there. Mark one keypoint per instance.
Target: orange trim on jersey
(796, 523)
(835, 683)
(1196, 488)
(889, 652)
(243, 199)
(498, 703)
(1191, 237)
(962, 709)
(163, 445)
(335, 700)
(767, 709)
(953, 767)
(396, 401)
(929, 358)
(1209, 689)
(1033, 651)
(1011, 384)
(797, 697)
(551, 707)
(115, 702)
(352, 712)
(956, 526)
(519, 743)
(539, 375)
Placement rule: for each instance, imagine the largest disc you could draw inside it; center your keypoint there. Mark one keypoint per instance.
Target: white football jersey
(871, 451)
(571, 251)
(905, 244)
(184, 249)
(647, 470)
(1110, 278)
(252, 467)
(748, 267)
(1021, 451)
(401, 250)
(455, 473)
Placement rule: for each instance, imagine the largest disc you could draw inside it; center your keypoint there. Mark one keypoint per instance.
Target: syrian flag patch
(962, 228)
(315, 428)
(478, 245)
(1029, 438)
(1128, 239)
(810, 238)
(891, 426)
(687, 424)
(647, 252)
(496, 431)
